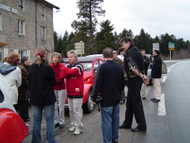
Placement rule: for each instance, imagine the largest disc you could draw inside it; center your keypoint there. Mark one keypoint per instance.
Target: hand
(93, 102)
(135, 71)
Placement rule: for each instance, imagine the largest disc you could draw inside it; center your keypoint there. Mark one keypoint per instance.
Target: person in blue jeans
(41, 82)
(107, 92)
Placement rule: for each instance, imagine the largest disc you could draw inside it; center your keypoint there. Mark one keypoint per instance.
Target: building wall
(35, 16)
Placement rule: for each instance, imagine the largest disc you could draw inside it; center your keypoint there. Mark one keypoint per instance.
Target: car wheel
(88, 107)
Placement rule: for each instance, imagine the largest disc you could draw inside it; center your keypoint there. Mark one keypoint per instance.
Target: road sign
(156, 46)
(79, 48)
(171, 46)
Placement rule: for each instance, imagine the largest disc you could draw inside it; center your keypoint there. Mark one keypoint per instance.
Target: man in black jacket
(156, 75)
(133, 60)
(109, 85)
(41, 82)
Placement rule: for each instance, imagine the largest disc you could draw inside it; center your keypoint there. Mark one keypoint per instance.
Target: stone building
(26, 25)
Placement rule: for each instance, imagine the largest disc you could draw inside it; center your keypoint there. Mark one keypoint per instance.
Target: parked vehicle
(90, 64)
(12, 127)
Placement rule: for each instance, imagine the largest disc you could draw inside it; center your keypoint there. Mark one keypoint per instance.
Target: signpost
(171, 47)
(79, 48)
(156, 46)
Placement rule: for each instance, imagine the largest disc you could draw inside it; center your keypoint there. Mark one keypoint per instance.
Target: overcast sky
(155, 16)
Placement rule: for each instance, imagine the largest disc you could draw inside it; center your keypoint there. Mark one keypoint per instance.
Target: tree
(144, 41)
(88, 11)
(105, 38)
(85, 26)
(126, 33)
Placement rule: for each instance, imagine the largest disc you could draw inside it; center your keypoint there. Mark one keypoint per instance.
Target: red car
(12, 127)
(91, 64)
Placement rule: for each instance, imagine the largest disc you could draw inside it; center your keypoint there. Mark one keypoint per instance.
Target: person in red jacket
(75, 86)
(59, 89)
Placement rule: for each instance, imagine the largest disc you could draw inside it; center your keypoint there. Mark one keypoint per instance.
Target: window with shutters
(21, 27)
(21, 4)
(1, 22)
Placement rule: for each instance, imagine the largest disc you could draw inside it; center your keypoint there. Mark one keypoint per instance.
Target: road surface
(167, 122)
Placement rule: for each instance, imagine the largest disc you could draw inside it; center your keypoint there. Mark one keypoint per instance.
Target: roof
(49, 4)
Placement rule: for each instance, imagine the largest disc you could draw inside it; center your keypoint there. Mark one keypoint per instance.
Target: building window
(43, 33)
(21, 4)
(43, 13)
(21, 27)
(1, 54)
(1, 22)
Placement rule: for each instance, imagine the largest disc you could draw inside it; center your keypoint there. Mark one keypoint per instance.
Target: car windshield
(87, 66)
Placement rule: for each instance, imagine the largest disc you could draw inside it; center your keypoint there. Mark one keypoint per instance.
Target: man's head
(56, 57)
(155, 53)
(143, 52)
(115, 54)
(108, 53)
(72, 57)
(126, 43)
(13, 58)
(40, 56)
(25, 61)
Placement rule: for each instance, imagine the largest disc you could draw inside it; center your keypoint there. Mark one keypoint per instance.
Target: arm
(18, 77)
(75, 71)
(51, 76)
(98, 84)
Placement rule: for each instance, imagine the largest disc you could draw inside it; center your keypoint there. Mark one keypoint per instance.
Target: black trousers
(134, 104)
(22, 109)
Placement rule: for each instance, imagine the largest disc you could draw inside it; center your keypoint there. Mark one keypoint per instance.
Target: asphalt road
(171, 127)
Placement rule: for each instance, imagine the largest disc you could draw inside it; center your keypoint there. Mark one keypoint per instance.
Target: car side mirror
(1, 97)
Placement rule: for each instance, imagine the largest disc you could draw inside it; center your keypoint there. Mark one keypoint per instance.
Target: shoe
(124, 126)
(144, 98)
(154, 100)
(138, 130)
(72, 129)
(77, 131)
(115, 142)
(61, 126)
(56, 125)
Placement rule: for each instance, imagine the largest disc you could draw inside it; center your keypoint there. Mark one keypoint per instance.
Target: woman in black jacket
(41, 82)
(156, 75)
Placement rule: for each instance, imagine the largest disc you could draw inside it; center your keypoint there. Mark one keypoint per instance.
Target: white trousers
(60, 106)
(75, 112)
(144, 90)
(157, 92)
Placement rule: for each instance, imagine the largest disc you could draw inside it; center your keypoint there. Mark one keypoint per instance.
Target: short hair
(11, 56)
(108, 53)
(72, 52)
(158, 52)
(114, 52)
(56, 54)
(24, 59)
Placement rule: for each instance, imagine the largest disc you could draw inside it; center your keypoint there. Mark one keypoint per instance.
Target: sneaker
(61, 125)
(77, 131)
(72, 129)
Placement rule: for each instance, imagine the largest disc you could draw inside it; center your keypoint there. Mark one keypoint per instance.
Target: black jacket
(109, 84)
(146, 64)
(156, 67)
(133, 58)
(41, 82)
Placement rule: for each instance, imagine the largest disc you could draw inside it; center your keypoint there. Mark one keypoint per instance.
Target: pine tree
(105, 38)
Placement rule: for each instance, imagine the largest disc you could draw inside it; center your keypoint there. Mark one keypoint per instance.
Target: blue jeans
(110, 123)
(37, 118)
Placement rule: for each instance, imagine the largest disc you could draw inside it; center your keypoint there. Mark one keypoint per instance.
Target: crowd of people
(45, 87)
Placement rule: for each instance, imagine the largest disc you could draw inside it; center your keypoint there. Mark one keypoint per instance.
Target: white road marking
(162, 106)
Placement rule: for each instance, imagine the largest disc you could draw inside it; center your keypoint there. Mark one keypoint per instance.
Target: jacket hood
(6, 68)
